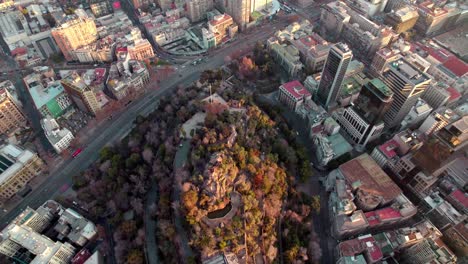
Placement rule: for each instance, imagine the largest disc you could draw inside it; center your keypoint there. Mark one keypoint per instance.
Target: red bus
(77, 152)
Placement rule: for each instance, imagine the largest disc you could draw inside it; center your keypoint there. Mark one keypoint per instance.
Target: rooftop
(363, 244)
(411, 73)
(388, 148)
(461, 197)
(296, 89)
(367, 175)
(219, 19)
(12, 159)
(446, 58)
(381, 87)
(431, 156)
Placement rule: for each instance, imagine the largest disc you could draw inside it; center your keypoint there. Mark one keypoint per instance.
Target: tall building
(239, 10)
(363, 121)
(81, 93)
(437, 120)
(17, 167)
(257, 5)
(75, 32)
(11, 116)
(402, 19)
(333, 73)
(196, 9)
(432, 18)
(436, 95)
(407, 84)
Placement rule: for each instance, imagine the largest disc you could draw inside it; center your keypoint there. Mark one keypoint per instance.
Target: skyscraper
(239, 10)
(332, 75)
(81, 93)
(75, 32)
(363, 121)
(407, 83)
(196, 9)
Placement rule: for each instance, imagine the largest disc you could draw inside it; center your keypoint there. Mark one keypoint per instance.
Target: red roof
(460, 197)
(448, 60)
(372, 218)
(81, 257)
(296, 89)
(387, 214)
(19, 50)
(372, 249)
(454, 94)
(121, 49)
(388, 148)
(456, 66)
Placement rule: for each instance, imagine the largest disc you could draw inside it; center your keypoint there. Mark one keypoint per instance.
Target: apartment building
(81, 93)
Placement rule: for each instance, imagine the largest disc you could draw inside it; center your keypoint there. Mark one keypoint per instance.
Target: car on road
(77, 152)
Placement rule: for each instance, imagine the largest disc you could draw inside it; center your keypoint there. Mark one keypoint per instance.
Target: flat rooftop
(365, 173)
(410, 72)
(12, 159)
(296, 89)
(455, 40)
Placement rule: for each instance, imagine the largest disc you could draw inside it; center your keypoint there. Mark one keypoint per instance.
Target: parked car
(77, 152)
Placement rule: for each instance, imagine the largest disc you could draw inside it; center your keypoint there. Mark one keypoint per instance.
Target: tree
(135, 256)
(316, 203)
(128, 228)
(190, 199)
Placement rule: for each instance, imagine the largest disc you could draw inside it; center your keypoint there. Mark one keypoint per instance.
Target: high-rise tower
(333, 73)
(407, 83)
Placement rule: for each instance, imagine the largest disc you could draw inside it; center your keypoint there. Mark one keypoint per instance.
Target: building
(323, 149)
(407, 84)
(222, 27)
(11, 117)
(81, 93)
(127, 76)
(417, 114)
(313, 50)
(363, 121)
(47, 93)
(100, 8)
(140, 50)
(456, 238)
(27, 234)
(455, 135)
(333, 17)
(428, 251)
(287, 56)
(27, 29)
(436, 95)
(363, 198)
(73, 33)
(17, 167)
(402, 19)
(196, 9)
(258, 5)
(293, 94)
(239, 10)
(59, 138)
(364, 247)
(75, 228)
(333, 73)
(437, 120)
(432, 17)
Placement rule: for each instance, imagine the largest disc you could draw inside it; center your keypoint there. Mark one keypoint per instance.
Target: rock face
(219, 176)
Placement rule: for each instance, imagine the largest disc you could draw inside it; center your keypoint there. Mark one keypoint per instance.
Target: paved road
(179, 161)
